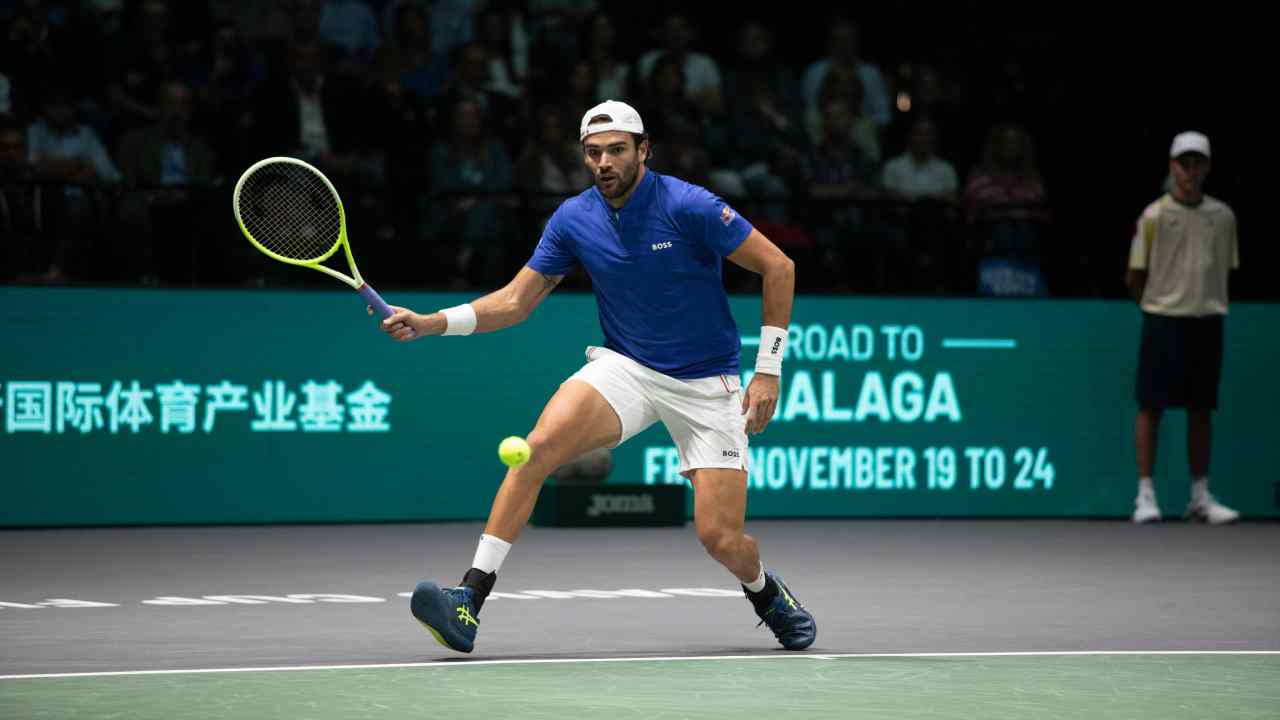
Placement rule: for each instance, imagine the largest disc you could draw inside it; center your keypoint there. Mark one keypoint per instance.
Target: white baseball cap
(1189, 142)
(621, 117)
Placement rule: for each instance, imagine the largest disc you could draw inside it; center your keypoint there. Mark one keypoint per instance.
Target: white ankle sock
(1144, 485)
(758, 584)
(1199, 488)
(490, 553)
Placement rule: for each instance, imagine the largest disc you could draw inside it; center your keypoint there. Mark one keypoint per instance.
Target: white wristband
(460, 319)
(773, 346)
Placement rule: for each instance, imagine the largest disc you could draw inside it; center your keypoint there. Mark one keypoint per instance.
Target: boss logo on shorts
(620, 505)
(730, 453)
(661, 246)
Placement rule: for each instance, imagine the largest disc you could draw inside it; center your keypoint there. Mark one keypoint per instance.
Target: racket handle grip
(375, 301)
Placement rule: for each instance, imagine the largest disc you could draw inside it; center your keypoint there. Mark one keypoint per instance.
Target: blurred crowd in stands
(450, 129)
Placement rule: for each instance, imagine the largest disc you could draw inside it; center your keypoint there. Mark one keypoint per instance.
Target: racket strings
(290, 211)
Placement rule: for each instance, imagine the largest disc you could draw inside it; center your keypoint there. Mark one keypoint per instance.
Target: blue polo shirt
(655, 270)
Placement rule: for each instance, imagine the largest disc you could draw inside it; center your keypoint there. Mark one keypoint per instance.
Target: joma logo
(620, 505)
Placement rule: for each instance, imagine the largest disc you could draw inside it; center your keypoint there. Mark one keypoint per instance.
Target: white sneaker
(1208, 509)
(1145, 509)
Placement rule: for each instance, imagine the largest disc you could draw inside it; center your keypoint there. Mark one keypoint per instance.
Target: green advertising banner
(151, 407)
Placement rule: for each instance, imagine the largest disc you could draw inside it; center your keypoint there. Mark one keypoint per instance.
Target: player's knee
(545, 450)
(718, 541)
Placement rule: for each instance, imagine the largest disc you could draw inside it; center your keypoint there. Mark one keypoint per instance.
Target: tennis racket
(290, 211)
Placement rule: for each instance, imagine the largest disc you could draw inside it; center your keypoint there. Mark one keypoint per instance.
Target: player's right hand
(402, 325)
(759, 402)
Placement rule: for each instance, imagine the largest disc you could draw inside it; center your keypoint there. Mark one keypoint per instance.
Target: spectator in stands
(840, 84)
(764, 124)
(849, 172)
(925, 189)
(768, 144)
(600, 47)
(168, 153)
(35, 52)
(453, 24)
(702, 82)
(839, 177)
(21, 205)
(757, 62)
(230, 75)
(681, 146)
(844, 51)
(470, 219)
(1005, 203)
(168, 167)
(940, 98)
(406, 132)
(554, 29)
(678, 114)
(304, 18)
(683, 154)
(350, 30)
(406, 135)
(307, 113)
(552, 163)
(13, 150)
(274, 25)
(918, 173)
(408, 56)
(1007, 183)
(502, 32)
(472, 81)
(65, 150)
(141, 59)
(582, 83)
(108, 15)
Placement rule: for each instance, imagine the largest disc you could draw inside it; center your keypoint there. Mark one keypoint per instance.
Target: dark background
(1101, 87)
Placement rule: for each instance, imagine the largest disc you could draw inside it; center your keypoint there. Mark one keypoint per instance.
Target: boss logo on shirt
(661, 246)
(729, 453)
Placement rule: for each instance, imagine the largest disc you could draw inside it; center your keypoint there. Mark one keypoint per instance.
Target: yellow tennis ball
(514, 451)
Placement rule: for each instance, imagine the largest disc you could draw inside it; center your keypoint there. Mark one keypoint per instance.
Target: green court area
(993, 687)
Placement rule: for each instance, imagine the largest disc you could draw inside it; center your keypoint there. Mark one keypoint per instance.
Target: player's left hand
(759, 402)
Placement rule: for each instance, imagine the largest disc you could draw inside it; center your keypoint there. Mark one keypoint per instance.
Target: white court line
(675, 658)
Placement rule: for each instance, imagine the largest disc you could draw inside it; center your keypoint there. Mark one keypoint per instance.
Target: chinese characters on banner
(59, 407)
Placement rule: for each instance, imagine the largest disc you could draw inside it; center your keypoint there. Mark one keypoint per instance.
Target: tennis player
(652, 245)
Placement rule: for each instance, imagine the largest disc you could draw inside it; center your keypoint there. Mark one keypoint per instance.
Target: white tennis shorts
(704, 416)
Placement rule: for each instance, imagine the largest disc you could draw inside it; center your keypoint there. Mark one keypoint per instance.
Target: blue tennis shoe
(790, 622)
(449, 613)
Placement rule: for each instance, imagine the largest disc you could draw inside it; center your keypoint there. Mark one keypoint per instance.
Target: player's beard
(623, 181)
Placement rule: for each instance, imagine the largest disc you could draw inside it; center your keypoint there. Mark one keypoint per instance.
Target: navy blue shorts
(1179, 362)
